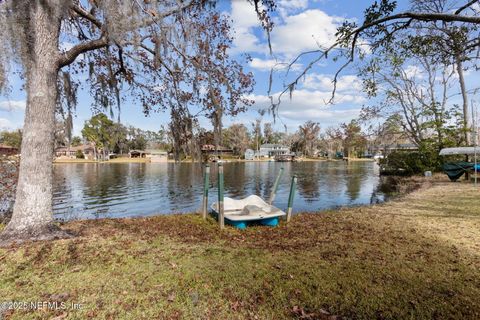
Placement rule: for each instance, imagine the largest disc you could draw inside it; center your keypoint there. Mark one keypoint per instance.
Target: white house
(157, 155)
(270, 150)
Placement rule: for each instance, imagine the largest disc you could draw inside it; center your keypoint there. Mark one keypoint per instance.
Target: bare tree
(267, 132)
(414, 88)
(333, 141)
(153, 47)
(382, 26)
(237, 138)
(309, 133)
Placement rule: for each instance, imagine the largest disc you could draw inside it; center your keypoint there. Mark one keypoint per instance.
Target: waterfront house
(157, 155)
(137, 153)
(87, 150)
(270, 150)
(8, 150)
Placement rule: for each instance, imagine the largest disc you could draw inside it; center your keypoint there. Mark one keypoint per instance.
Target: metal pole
(221, 215)
(290, 198)
(475, 142)
(206, 182)
(275, 187)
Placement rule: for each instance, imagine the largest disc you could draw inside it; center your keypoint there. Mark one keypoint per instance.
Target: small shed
(137, 154)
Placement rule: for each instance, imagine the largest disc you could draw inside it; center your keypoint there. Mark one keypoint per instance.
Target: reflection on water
(142, 189)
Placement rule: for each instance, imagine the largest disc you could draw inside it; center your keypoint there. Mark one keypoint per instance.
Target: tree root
(11, 236)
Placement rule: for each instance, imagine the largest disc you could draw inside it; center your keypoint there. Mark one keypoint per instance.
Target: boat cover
(460, 150)
(455, 170)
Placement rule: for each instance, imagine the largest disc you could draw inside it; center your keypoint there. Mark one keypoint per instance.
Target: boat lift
(456, 169)
(250, 210)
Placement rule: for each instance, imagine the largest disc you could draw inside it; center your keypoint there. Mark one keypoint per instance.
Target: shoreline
(417, 256)
(137, 160)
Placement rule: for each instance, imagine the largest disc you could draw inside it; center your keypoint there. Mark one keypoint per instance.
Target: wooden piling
(221, 212)
(290, 198)
(206, 182)
(275, 187)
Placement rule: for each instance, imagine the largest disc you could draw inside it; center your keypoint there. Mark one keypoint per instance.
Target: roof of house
(137, 151)
(4, 146)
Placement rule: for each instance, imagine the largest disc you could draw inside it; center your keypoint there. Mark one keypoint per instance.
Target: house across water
(85, 150)
(154, 155)
(270, 150)
(157, 155)
(8, 150)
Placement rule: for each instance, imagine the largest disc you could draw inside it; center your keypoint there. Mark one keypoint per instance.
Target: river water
(90, 190)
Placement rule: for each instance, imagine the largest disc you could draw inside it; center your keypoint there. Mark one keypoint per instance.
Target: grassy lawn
(417, 257)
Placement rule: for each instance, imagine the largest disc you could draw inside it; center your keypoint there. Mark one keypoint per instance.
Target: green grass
(417, 257)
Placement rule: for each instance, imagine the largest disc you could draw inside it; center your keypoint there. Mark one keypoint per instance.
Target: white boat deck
(251, 208)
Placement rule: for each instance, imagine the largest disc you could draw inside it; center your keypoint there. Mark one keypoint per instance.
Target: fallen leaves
(171, 296)
(322, 314)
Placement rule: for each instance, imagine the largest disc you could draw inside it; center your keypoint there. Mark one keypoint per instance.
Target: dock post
(221, 213)
(206, 182)
(275, 187)
(290, 198)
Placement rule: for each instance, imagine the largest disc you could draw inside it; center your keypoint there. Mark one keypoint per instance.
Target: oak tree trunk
(32, 217)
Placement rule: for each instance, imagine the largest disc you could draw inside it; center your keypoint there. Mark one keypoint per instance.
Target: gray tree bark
(32, 217)
(463, 89)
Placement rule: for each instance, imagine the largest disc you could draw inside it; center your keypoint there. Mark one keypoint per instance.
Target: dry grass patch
(414, 257)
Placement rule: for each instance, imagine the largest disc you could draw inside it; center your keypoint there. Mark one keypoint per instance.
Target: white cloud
(305, 31)
(12, 105)
(412, 71)
(244, 21)
(268, 64)
(312, 105)
(293, 4)
(286, 7)
(345, 84)
(5, 124)
(294, 32)
(325, 117)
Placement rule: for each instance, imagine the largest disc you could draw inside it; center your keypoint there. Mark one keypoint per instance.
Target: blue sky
(300, 25)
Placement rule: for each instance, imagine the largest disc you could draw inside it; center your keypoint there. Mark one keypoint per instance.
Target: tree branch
(465, 6)
(355, 33)
(70, 56)
(86, 15)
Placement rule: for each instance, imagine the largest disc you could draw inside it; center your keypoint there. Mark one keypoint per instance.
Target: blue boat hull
(271, 222)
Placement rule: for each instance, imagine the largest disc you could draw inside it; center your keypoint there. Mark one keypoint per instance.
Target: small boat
(251, 210)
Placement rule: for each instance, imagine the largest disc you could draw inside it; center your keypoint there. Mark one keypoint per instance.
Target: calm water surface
(85, 191)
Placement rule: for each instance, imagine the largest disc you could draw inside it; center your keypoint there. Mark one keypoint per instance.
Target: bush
(79, 155)
(413, 162)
